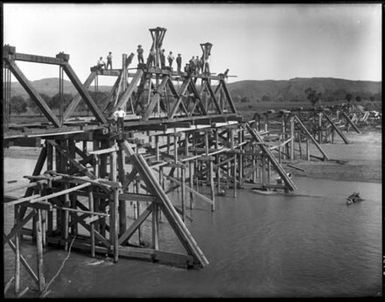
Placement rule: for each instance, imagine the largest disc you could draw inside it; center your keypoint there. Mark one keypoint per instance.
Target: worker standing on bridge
(192, 64)
(101, 64)
(162, 59)
(151, 58)
(119, 115)
(170, 58)
(179, 62)
(140, 54)
(109, 60)
(198, 64)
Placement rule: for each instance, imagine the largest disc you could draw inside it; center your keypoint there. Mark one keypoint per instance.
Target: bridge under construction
(95, 186)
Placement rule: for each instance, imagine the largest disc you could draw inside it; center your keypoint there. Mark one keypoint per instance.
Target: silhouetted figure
(140, 54)
(119, 115)
(162, 59)
(179, 62)
(109, 60)
(170, 59)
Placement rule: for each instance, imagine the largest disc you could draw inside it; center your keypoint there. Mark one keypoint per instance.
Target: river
(303, 244)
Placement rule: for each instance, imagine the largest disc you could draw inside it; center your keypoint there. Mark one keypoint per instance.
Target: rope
(46, 291)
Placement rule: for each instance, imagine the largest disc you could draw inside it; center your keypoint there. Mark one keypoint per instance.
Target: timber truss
(108, 190)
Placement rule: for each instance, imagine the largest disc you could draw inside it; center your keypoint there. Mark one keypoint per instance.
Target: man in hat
(192, 64)
(162, 59)
(119, 115)
(109, 60)
(101, 64)
(170, 58)
(179, 62)
(140, 54)
(198, 64)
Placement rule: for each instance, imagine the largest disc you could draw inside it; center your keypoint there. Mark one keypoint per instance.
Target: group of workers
(196, 65)
(102, 65)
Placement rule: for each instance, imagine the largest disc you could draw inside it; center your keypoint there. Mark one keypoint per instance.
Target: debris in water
(354, 198)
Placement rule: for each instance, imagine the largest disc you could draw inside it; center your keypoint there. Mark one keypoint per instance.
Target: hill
(252, 91)
(48, 86)
(294, 89)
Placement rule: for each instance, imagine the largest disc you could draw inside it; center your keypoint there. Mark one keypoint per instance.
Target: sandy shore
(358, 161)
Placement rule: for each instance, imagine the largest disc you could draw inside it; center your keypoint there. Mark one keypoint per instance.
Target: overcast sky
(255, 41)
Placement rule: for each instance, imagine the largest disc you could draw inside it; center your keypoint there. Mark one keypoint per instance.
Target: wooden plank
(63, 192)
(39, 246)
(37, 59)
(104, 151)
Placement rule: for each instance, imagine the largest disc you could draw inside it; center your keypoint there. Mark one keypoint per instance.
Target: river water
(303, 244)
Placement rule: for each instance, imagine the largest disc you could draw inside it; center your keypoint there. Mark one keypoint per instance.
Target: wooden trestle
(109, 190)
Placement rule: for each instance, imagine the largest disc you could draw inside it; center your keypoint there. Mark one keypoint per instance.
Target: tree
(358, 98)
(55, 102)
(372, 98)
(266, 98)
(32, 104)
(348, 97)
(245, 99)
(313, 96)
(18, 104)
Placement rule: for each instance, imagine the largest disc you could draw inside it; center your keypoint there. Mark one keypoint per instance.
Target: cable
(45, 291)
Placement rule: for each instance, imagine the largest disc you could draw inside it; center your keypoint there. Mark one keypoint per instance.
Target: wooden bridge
(96, 186)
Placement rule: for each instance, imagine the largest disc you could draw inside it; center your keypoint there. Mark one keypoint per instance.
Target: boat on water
(263, 191)
(354, 198)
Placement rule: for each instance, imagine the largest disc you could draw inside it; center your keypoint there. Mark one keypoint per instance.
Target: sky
(253, 41)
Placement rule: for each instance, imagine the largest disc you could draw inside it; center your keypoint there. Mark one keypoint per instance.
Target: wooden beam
(182, 91)
(336, 129)
(167, 207)
(228, 96)
(311, 137)
(79, 166)
(290, 184)
(213, 96)
(133, 227)
(76, 100)
(37, 59)
(33, 93)
(155, 99)
(130, 89)
(84, 94)
(350, 122)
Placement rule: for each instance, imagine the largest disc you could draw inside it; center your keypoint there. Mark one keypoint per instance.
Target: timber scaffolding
(104, 190)
(291, 132)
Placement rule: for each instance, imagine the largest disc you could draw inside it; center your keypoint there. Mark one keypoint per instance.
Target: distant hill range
(294, 89)
(254, 91)
(50, 87)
